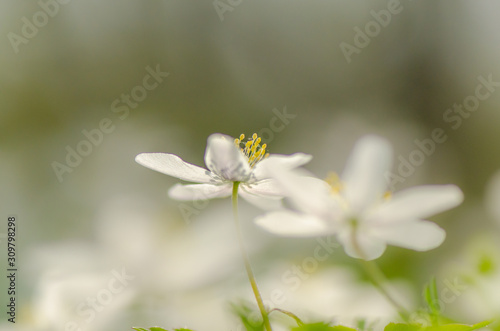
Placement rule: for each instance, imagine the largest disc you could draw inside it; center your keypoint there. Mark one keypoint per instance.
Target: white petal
(416, 235)
(418, 203)
(371, 247)
(308, 194)
(286, 161)
(225, 159)
(263, 202)
(199, 191)
(267, 187)
(288, 223)
(363, 175)
(174, 166)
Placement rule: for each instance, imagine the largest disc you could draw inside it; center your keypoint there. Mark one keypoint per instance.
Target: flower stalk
(248, 267)
(378, 278)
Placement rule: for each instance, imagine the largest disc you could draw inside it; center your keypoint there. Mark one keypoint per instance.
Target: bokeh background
(232, 67)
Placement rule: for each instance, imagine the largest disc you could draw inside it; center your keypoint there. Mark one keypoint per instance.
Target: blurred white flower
(177, 280)
(357, 209)
(334, 294)
(227, 163)
(469, 289)
(85, 301)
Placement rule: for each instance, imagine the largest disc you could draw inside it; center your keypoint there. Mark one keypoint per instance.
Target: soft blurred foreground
(88, 85)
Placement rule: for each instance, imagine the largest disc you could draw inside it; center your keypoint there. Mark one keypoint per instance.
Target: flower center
(336, 186)
(252, 148)
(335, 183)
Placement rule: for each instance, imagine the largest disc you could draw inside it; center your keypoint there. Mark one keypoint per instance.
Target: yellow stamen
(387, 195)
(334, 181)
(252, 148)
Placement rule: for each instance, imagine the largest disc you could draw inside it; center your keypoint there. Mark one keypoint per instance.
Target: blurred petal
(308, 194)
(225, 159)
(174, 166)
(416, 235)
(264, 187)
(371, 247)
(286, 161)
(363, 176)
(262, 202)
(418, 203)
(199, 191)
(288, 223)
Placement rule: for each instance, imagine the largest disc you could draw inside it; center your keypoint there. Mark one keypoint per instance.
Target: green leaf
(486, 265)
(244, 312)
(402, 327)
(432, 299)
(458, 327)
(445, 327)
(181, 330)
(321, 327)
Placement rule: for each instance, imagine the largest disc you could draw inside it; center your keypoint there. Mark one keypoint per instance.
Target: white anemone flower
(357, 208)
(228, 161)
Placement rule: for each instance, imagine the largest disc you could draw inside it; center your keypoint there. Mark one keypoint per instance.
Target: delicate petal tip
(145, 159)
(366, 247)
(219, 136)
(419, 202)
(225, 159)
(416, 235)
(291, 224)
(292, 161)
(371, 145)
(364, 173)
(174, 166)
(450, 196)
(456, 196)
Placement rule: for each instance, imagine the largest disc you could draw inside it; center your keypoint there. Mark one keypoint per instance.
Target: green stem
(248, 267)
(290, 314)
(378, 278)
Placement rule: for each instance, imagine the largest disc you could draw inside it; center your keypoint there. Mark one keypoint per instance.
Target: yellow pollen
(252, 148)
(333, 180)
(387, 195)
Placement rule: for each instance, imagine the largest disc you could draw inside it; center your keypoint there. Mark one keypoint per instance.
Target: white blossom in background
(176, 281)
(357, 208)
(334, 294)
(227, 163)
(472, 279)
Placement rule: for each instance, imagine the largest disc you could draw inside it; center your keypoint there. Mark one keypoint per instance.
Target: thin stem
(290, 314)
(378, 278)
(244, 254)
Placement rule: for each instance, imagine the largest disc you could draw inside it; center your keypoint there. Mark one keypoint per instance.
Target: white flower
(227, 163)
(357, 209)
